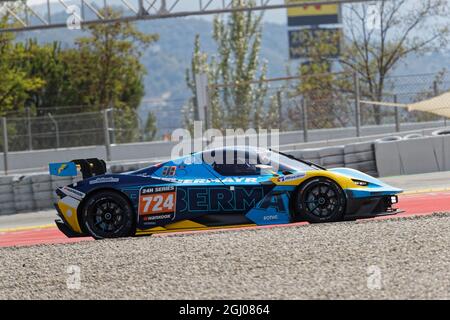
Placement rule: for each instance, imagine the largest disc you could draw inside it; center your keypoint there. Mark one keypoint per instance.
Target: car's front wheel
(320, 200)
(108, 214)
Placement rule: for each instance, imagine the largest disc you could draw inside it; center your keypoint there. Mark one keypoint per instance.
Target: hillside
(167, 60)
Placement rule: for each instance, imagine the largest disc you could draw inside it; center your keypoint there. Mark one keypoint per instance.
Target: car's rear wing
(88, 168)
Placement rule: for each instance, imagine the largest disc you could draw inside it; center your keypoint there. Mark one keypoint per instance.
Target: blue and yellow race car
(196, 192)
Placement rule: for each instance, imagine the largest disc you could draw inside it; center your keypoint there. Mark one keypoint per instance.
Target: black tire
(320, 200)
(108, 214)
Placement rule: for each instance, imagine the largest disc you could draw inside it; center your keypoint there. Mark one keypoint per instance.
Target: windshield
(283, 163)
(253, 161)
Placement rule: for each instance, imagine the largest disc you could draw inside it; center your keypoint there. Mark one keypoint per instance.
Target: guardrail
(37, 161)
(413, 154)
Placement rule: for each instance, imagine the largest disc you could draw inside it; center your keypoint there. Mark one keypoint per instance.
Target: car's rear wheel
(108, 214)
(320, 200)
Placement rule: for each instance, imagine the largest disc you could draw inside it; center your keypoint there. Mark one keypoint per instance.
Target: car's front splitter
(372, 205)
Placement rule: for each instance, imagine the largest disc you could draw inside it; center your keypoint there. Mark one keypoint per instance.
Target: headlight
(360, 183)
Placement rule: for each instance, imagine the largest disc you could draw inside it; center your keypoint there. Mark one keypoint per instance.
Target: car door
(244, 178)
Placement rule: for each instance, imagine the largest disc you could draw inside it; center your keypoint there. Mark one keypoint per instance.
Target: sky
(274, 16)
(278, 16)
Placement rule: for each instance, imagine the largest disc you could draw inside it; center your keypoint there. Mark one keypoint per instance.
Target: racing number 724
(157, 203)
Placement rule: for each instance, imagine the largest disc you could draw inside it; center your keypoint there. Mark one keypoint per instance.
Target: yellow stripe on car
(297, 179)
(68, 207)
(186, 223)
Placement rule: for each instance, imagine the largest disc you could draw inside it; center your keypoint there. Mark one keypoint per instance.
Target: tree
(236, 101)
(271, 118)
(110, 59)
(150, 127)
(322, 93)
(47, 62)
(15, 84)
(199, 65)
(106, 70)
(102, 71)
(382, 33)
(321, 90)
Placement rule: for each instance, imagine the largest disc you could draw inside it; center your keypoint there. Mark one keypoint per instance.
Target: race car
(196, 192)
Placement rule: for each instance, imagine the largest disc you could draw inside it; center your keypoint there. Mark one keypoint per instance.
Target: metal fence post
(208, 109)
(397, 115)
(30, 137)
(202, 97)
(305, 120)
(357, 104)
(113, 124)
(56, 129)
(141, 10)
(106, 133)
(141, 127)
(436, 93)
(5, 145)
(280, 110)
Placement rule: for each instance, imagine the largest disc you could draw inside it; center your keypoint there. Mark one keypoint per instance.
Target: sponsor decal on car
(169, 171)
(104, 180)
(270, 217)
(173, 180)
(159, 217)
(209, 181)
(291, 177)
(71, 192)
(157, 203)
(240, 180)
(198, 199)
